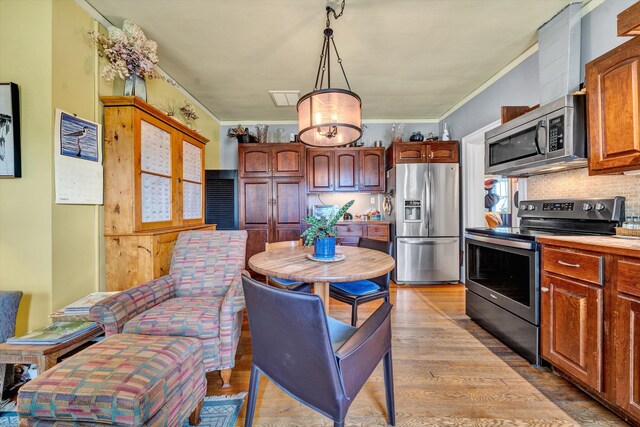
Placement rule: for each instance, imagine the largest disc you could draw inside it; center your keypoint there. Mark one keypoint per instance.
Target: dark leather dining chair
(316, 359)
(361, 291)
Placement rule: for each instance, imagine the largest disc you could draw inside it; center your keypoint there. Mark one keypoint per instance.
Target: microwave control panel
(556, 134)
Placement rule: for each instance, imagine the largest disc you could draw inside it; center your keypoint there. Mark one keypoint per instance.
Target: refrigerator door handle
(430, 184)
(423, 241)
(427, 201)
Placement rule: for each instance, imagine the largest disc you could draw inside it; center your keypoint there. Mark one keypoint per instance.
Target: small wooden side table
(44, 356)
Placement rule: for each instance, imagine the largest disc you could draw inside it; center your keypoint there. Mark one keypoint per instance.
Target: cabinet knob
(544, 289)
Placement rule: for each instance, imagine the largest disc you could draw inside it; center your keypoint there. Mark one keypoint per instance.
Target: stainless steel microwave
(547, 139)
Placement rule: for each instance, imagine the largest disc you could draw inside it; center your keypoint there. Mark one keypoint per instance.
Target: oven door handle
(500, 242)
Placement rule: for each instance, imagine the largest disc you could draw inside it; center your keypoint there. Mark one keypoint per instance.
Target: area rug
(218, 411)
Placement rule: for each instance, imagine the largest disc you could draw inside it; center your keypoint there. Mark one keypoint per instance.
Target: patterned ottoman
(127, 380)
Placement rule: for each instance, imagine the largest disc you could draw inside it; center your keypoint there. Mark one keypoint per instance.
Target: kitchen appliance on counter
(422, 203)
(503, 265)
(325, 211)
(547, 139)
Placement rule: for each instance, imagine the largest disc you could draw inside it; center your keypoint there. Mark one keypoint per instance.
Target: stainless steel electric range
(502, 273)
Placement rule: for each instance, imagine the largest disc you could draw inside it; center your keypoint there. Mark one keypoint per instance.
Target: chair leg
(225, 374)
(3, 370)
(194, 417)
(254, 382)
(338, 423)
(388, 386)
(354, 314)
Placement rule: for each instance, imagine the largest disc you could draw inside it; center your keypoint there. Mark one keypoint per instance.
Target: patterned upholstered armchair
(200, 297)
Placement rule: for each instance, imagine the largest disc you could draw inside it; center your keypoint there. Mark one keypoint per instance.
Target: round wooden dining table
(293, 264)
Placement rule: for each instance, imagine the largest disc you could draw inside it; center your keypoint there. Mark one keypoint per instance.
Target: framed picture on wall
(9, 131)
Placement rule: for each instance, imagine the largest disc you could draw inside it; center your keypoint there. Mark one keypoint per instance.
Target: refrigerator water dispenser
(412, 210)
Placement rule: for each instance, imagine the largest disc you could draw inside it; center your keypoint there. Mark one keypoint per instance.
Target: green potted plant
(321, 233)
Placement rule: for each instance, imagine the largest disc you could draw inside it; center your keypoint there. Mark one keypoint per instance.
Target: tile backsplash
(361, 205)
(577, 183)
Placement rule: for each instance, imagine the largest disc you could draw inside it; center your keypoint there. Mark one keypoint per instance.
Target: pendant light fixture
(329, 117)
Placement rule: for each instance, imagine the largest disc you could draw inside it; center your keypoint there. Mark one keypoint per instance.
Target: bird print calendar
(78, 160)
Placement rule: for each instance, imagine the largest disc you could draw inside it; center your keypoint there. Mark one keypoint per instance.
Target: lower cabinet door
(572, 329)
(627, 350)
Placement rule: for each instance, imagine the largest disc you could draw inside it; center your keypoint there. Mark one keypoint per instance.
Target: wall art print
(10, 165)
(78, 137)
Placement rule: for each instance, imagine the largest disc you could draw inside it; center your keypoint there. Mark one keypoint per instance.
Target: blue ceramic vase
(325, 247)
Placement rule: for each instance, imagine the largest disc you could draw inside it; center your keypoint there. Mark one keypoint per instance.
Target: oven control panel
(606, 209)
(557, 207)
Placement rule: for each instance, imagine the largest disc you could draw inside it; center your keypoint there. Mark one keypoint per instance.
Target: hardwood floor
(447, 370)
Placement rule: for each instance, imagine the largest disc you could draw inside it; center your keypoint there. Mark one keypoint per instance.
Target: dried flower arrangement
(127, 50)
(188, 113)
(238, 131)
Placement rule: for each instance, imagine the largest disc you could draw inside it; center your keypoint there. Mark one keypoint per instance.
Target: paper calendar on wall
(78, 160)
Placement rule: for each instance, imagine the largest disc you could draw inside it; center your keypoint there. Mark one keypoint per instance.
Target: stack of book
(55, 333)
(79, 310)
(83, 305)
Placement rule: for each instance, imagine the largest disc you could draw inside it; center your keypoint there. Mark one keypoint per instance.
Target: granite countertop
(607, 244)
(359, 221)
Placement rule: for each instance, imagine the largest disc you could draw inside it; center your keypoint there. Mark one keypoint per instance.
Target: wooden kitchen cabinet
(266, 160)
(442, 152)
(271, 210)
(590, 332)
(613, 109)
(423, 152)
(372, 170)
(627, 360)
(358, 169)
(153, 189)
(349, 233)
(346, 169)
(320, 170)
(571, 328)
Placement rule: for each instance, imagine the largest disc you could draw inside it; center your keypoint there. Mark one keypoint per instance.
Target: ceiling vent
(285, 98)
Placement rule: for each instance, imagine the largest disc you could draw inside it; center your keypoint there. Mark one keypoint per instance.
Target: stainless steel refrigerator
(424, 207)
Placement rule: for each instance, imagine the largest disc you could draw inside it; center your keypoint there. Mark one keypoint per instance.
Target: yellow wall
(55, 253)
(25, 203)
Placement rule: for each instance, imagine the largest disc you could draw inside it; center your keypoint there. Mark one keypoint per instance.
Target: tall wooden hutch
(153, 189)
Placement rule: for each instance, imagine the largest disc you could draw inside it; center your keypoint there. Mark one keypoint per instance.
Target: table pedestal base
(322, 289)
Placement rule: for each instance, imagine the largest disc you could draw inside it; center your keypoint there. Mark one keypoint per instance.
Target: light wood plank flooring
(448, 372)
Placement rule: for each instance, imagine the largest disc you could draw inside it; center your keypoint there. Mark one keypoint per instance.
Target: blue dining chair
(361, 291)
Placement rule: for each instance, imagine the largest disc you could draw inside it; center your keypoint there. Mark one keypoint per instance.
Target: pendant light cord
(325, 54)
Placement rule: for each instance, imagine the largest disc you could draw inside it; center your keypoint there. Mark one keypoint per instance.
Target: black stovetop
(515, 232)
(561, 217)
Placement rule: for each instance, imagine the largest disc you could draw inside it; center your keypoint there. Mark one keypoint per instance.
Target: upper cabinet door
(156, 177)
(613, 93)
(409, 153)
(254, 160)
(288, 160)
(372, 170)
(346, 170)
(320, 170)
(192, 181)
(442, 152)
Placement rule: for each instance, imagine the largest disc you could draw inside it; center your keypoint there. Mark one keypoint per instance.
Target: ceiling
(407, 59)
